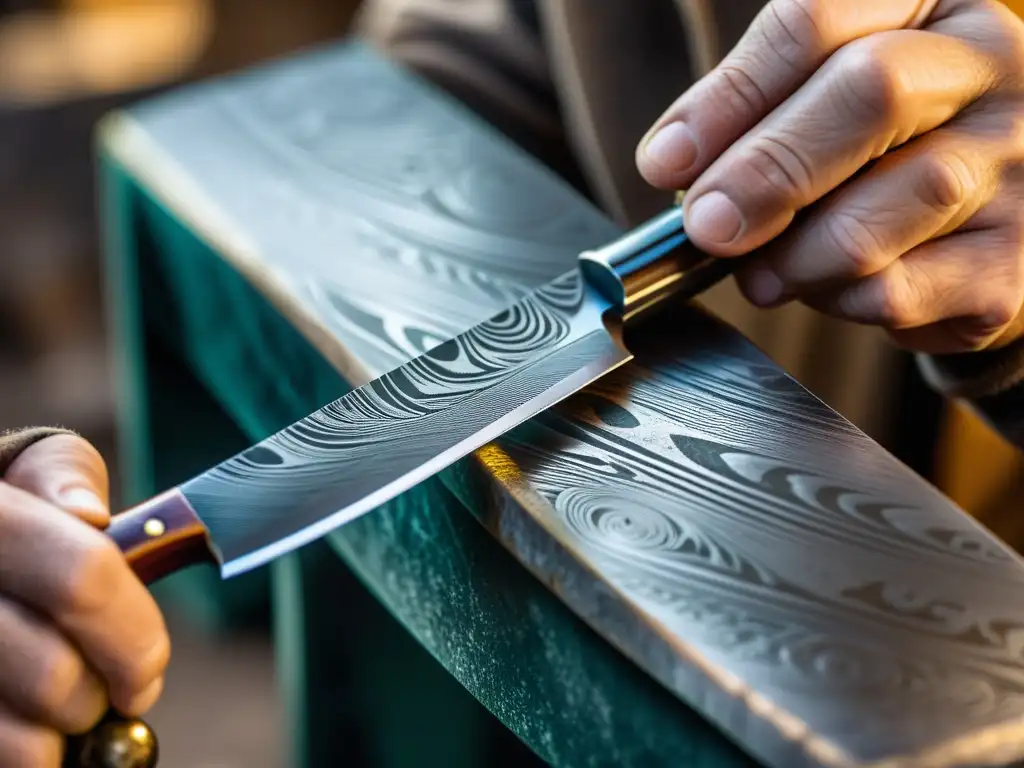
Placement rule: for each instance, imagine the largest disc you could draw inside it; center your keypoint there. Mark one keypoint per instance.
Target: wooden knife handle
(158, 538)
(161, 536)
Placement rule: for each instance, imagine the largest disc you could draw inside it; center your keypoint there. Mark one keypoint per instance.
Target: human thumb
(68, 472)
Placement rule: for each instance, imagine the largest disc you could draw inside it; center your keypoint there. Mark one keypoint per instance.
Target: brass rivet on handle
(154, 527)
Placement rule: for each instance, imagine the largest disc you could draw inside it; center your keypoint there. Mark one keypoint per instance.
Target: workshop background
(63, 64)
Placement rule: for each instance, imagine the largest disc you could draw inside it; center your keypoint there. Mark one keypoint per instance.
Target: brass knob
(116, 742)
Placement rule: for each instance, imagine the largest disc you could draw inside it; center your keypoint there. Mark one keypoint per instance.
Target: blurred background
(63, 64)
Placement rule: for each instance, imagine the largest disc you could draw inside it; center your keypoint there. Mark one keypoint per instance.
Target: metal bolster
(651, 262)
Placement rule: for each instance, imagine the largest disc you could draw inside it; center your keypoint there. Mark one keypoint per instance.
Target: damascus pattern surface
(783, 546)
(365, 448)
(740, 541)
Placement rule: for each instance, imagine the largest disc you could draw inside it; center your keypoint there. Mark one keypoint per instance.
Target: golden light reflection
(90, 48)
(500, 464)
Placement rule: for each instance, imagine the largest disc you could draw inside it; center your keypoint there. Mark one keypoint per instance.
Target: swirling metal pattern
(761, 547)
(779, 544)
(357, 452)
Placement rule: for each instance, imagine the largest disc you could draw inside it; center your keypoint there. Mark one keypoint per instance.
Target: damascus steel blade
(363, 449)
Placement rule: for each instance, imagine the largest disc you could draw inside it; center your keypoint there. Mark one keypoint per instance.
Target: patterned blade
(356, 453)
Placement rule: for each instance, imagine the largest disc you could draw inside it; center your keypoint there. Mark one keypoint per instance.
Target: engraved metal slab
(731, 534)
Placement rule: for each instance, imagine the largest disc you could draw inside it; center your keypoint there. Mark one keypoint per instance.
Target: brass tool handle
(655, 260)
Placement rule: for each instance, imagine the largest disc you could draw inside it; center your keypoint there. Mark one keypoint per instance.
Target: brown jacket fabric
(578, 82)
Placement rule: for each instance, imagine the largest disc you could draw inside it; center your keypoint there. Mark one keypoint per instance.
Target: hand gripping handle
(158, 537)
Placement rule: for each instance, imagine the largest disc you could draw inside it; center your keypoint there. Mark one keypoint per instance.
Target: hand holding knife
(327, 468)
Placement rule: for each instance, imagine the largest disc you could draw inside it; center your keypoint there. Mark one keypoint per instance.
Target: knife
(383, 438)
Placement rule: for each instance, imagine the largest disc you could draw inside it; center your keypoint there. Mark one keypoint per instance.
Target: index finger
(786, 43)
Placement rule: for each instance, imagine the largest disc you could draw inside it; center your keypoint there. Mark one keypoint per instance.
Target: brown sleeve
(13, 442)
(992, 382)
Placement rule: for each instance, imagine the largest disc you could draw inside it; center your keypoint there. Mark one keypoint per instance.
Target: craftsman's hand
(78, 630)
(899, 126)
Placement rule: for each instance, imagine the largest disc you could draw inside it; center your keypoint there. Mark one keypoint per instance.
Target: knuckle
(868, 84)
(794, 30)
(896, 301)
(783, 167)
(742, 87)
(1002, 304)
(91, 577)
(1002, 311)
(945, 181)
(854, 243)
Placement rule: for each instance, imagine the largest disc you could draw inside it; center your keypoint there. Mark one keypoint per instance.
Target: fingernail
(714, 217)
(672, 147)
(764, 287)
(82, 500)
(143, 702)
